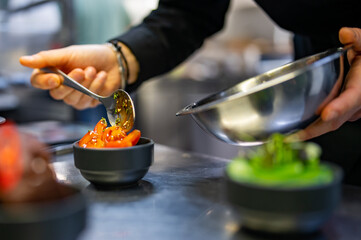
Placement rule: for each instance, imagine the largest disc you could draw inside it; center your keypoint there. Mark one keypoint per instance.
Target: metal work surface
(181, 197)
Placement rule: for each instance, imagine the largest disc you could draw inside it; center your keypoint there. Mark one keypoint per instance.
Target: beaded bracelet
(123, 68)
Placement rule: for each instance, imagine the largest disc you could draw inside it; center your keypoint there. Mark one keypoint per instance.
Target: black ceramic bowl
(56, 220)
(114, 166)
(284, 209)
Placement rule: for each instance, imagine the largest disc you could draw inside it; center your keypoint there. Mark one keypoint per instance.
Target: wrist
(133, 65)
(128, 64)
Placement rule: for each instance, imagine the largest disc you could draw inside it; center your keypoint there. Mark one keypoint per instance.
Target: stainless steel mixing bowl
(282, 100)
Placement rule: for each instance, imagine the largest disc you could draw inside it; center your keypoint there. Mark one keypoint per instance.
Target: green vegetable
(116, 95)
(278, 163)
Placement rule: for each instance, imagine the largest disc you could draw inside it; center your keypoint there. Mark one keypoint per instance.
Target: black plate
(56, 220)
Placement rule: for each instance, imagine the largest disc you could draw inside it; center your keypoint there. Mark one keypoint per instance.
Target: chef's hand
(347, 106)
(98, 63)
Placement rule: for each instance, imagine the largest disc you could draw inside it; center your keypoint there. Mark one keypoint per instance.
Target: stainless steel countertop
(181, 197)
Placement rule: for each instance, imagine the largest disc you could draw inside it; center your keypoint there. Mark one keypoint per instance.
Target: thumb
(55, 58)
(351, 36)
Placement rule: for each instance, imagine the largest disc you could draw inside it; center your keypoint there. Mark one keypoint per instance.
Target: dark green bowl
(284, 209)
(56, 220)
(114, 166)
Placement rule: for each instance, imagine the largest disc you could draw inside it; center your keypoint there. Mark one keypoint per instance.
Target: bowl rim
(337, 171)
(149, 143)
(321, 58)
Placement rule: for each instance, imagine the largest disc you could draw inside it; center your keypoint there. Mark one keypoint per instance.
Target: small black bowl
(63, 218)
(284, 209)
(114, 166)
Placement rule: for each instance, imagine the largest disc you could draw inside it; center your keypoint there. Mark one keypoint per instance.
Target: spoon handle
(68, 81)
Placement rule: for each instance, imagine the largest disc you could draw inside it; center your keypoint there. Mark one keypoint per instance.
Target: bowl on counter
(114, 166)
(283, 100)
(282, 209)
(63, 218)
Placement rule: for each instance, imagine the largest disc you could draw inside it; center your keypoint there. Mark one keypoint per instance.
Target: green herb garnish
(280, 163)
(116, 95)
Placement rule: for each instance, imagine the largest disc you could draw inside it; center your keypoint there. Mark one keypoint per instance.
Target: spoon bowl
(119, 105)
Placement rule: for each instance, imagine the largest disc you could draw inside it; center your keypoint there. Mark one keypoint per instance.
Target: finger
(351, 36)
(94, 103)
(343, 106)
(349, 100)
(317, 128)
(89, 76)
(84, 78)
(45, 81)
(56, 57)
(72, 97)
(62, 91)
(356, 116)
(96, 85)
(90, 73)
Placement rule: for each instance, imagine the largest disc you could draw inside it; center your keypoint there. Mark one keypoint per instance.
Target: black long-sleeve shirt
(177, 28)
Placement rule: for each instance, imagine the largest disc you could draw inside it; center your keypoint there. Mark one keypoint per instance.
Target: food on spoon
(123, 107)
(25, 175)
(109, 137)
(278, 163)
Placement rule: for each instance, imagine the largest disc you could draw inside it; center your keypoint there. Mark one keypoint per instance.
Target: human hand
(94, 66)
(347, 106)
(90, 79)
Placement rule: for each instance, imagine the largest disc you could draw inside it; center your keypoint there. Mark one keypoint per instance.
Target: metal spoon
(119, 105)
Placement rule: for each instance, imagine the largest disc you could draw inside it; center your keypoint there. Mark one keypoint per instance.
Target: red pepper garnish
(11, 167)
(113, 136)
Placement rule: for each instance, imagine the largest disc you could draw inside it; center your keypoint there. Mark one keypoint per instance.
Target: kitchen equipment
(119, 105)
(281, 209)
(282, 100)
(64, 218)
(114, 166)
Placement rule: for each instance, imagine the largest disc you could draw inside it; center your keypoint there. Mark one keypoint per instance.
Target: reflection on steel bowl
(282, 100)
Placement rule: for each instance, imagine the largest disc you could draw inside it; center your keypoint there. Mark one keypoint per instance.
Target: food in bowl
(33, 205)
(109, 137)
(283, 187)
(282, 164)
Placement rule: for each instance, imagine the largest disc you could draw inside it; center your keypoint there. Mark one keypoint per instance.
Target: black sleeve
(172, 32)
(313, 17)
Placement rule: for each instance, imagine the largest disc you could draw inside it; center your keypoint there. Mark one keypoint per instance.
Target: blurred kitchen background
(249, 44)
